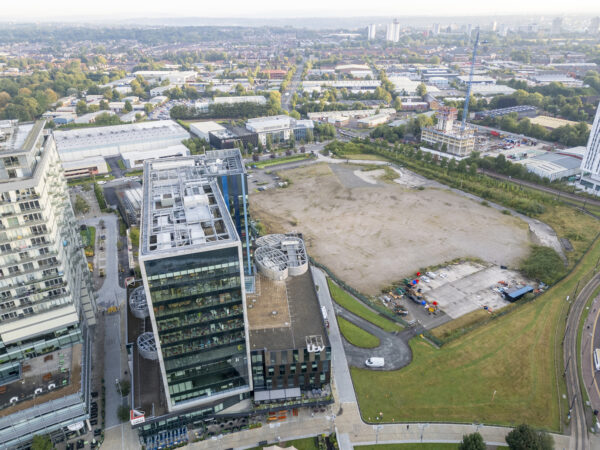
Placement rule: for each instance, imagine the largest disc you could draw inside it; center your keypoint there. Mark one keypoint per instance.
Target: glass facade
(290, 368)
(198, 308)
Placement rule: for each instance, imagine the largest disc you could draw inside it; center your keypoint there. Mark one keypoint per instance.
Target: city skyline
(111, 10)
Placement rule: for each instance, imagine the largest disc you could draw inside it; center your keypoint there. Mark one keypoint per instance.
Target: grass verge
(284, 160)
(88, 238)
(356, 335)
(345, 300)
(300, 444)
(503, 373)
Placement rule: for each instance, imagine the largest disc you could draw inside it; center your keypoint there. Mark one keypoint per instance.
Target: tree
(123, 413)
(398, 104)
(128, 107)
(81, 206)
(473, 441)
(148, 107)
(81, 107)
(295, 114)
(526, 438)
(103, 105)
(41, 443)
(421, 89)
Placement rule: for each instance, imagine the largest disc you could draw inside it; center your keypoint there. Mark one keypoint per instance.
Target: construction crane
(468, 97)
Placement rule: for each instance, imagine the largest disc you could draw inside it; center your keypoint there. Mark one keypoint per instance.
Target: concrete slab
(462, 288)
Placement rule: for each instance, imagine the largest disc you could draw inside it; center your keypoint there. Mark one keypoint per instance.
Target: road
(578, 425)
(564, 195)
(393, 347)
(110, 294)
(286, 99)
(590, 340)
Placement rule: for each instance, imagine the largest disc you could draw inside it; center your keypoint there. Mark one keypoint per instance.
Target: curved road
(578, 421)
(393, 347)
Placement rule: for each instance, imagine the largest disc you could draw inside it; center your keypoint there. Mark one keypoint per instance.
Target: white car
(375, 362)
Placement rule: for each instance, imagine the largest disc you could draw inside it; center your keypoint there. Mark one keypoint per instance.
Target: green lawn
(344, 299)
(121, 164)
(417, 446)
(356, 335)
(502, 373)
(88, 238)
(300, 444)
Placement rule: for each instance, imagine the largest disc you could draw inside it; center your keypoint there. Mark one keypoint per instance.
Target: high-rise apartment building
(371, 32)
(191, 260)
(590, 165)
(46, 303)
(392, 32)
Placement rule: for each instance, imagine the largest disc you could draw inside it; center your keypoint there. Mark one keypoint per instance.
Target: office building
(278, 128)
(291, 355)
(371, 32)
(594, 25)
(590, 165)
(47, 308)
(192, 268)
(448, 136)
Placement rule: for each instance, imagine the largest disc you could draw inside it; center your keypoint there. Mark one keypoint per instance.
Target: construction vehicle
(91, 267)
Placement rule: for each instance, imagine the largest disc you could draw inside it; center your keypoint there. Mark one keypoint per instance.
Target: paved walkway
(110, 294)
(590, 340)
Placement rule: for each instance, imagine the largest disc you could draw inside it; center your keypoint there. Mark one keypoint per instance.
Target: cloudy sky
(103, 9)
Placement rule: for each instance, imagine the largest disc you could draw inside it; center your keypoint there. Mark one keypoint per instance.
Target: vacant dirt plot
(373, 234)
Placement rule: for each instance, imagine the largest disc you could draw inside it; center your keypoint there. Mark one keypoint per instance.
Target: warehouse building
(521, 110)
(553, 166)
(133, 142)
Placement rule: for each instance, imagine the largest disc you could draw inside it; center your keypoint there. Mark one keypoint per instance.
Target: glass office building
(192, 268)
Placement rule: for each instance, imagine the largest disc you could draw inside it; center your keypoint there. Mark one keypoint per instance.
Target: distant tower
(590, 164)
(557, 25)
(468, 30)
(392, 31)
(494, 25)
(594, 25)
(371, 32)
(396, 30)
(436, 28)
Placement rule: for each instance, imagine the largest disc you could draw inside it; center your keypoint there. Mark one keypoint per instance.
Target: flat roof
(183, 206)
(206, 127)
(118, 134)
(299, 315)
(53, 376)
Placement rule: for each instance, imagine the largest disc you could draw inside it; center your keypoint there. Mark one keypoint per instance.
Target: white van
(375, 362)
(597, 358)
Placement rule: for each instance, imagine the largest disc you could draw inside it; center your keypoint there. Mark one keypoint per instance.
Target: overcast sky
(95, 9)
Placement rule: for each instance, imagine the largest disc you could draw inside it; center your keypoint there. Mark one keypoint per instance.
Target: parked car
(375, 362)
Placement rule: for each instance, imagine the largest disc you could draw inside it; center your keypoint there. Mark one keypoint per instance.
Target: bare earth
(373, 234)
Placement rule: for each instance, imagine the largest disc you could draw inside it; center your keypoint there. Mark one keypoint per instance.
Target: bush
(81, 206)
(100, 197)
(543, 264)
(525, 438)
(123, 413)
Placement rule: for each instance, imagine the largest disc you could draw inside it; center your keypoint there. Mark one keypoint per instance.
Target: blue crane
(468, 97)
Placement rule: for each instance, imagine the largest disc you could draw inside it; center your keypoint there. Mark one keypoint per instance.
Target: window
(38, 240)
(303, 367)
(12, 173)
(44, 251)
(38, 229)
(32, 217)
(11, 161)
(13, 269)
(27, 206)
(282, 369)
(27, 266)
(5, 248)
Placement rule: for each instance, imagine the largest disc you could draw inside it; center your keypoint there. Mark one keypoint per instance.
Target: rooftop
(183, 206)
(15, 137)
(298, 313)
(118, 134)
(47, 377)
